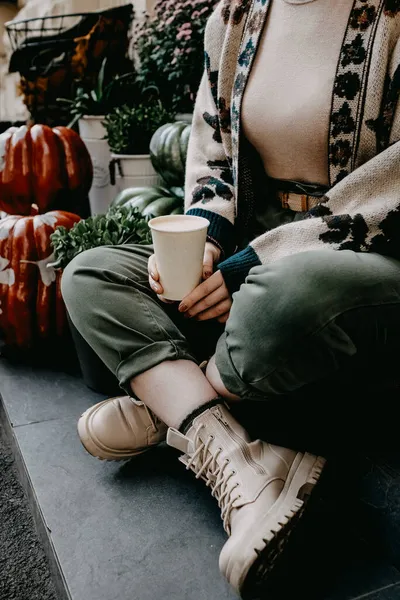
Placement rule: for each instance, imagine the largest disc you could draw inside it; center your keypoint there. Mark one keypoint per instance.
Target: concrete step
(146, 529)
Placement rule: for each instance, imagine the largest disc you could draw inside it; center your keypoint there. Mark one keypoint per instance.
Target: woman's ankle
(173, 389)
(187, 421)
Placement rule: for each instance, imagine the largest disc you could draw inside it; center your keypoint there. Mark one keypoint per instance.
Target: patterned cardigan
(361, 210)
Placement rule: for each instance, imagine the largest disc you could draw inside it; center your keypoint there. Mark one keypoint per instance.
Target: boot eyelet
(233, 472)
(212, 437)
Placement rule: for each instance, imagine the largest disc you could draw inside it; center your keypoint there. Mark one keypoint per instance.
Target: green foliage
(169, 49)
(130, 129)
(120, 225)
(103, 97)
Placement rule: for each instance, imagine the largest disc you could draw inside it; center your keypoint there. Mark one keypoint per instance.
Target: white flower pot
(134, 170)
(92, 128)
(92, 133)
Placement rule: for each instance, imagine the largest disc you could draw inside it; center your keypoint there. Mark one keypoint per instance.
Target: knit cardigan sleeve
(209, 188)
(360, 213)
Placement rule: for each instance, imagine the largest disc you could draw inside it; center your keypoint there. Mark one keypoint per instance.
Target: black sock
(187, 422)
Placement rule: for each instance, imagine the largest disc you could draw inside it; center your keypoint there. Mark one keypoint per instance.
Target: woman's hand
(154, 280)
(210, 300)
(212, 255)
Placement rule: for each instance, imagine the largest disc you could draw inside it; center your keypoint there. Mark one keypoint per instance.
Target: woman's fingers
(211, 300)
(154, 277)
(166, 301)
(212, 254)
(202, 290)
(158, 289)
(224, 317)
(155, 286)
(208, 263)
(152, 268)
(216, 311)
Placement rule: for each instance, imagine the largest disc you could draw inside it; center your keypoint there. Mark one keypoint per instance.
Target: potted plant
(169, 51)
(129, 130)
(88, 108)
(94, 103)
(120, 225)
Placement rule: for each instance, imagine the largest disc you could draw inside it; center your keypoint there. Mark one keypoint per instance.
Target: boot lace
(204, 463)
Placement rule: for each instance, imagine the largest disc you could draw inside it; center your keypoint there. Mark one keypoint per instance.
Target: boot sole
(94, 447)
(266, 542)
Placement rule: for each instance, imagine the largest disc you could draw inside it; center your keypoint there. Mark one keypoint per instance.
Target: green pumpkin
(168, 151)
(160, 207)
(156, 201)
(179, 192)
(177, 211)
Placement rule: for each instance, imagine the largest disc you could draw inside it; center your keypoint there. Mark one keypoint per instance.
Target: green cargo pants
(304, 318)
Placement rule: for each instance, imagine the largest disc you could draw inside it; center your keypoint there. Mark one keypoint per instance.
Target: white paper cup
(179, 242)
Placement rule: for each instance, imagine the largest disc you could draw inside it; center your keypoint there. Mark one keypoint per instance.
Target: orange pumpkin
(47, 167)
(31, 306)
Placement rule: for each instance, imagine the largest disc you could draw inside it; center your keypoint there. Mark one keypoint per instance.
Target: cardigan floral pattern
(361, 210)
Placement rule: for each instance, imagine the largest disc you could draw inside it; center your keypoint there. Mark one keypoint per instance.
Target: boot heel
(315, 473)
(285, 521)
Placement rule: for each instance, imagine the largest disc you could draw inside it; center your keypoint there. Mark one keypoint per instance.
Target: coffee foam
(178, 223)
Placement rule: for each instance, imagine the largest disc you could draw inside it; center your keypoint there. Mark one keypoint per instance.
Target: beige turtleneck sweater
(287, 102)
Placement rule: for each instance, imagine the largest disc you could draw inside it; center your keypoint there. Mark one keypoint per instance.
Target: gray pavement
(24, 573)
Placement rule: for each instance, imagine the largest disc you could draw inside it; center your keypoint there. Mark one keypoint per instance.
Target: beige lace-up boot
(120, 428)
(261, 490)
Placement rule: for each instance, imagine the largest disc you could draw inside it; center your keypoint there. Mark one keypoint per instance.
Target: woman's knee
(276, 309)
(283, 292)
(214, 377)
(77, 280)
(311, 286)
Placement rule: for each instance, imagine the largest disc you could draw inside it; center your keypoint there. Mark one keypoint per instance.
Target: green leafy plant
(105, 95)
(120, 225)
(130, 129)
(169, 50)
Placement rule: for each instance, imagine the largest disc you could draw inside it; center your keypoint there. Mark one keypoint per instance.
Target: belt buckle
(284, 198)
(305, 202)
(300, 203)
